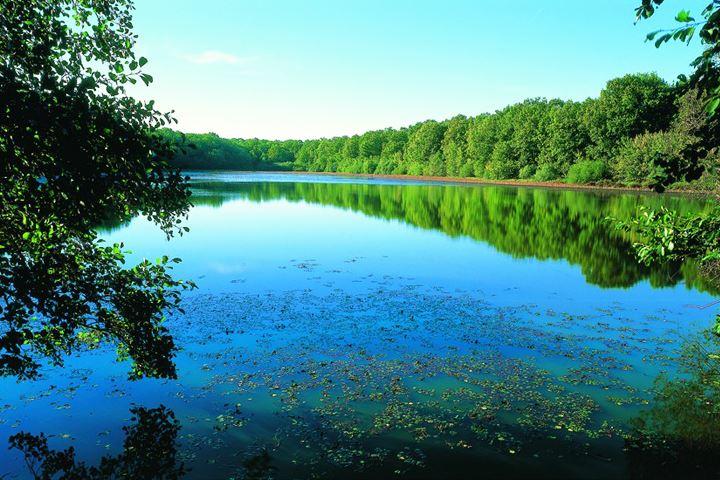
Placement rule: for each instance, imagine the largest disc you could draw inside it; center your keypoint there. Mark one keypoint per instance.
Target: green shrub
(502, 164)
(467, 170)
(400, 169)
(415, 169)
(369, 165)
(386, 166)
(500, 170)
(652, 158)
(527, 172)
(546, 172)
(587, 171)
(478, 169)
(435, 166)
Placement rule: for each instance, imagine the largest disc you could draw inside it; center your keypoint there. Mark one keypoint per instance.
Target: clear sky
(315, 68)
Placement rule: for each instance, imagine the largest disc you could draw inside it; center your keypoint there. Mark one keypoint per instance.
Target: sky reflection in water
(357, 327)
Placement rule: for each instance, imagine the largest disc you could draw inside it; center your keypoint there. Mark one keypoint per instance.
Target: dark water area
(351, 328)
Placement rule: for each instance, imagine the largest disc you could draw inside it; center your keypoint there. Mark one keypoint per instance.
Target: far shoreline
(475, 181)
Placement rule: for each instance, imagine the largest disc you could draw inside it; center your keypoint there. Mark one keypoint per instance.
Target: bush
(387, 165)
(500, 170)
(369, 165)
(467, 170)
(527, 172)
(546, 173)
(653, 158)
(400, 169)
(587, 171)
(415, 169)
(435, 166)
(478, 170)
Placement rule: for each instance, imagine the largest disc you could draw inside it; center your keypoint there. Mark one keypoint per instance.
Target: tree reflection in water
(149, 451)
(546, 224)
(679, 435)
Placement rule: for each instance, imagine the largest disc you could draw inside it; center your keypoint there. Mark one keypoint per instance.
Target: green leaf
(684, 16)
(712, 106)
(663, 39)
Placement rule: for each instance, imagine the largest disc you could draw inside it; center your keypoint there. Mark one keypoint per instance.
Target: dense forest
(640, 131)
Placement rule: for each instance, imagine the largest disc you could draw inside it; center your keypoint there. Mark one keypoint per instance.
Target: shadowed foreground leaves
(75, 150)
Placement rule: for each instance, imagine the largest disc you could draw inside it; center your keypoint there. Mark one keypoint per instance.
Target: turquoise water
(352, 328)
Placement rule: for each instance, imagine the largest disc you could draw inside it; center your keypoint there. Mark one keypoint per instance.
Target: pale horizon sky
(281, 69)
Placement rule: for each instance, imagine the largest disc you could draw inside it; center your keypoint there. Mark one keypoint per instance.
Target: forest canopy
(640, 131)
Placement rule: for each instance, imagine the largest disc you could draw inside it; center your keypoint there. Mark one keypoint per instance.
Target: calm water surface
(350, 328)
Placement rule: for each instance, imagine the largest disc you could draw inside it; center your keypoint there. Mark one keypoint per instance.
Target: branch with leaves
(706, 77)
(75, 150)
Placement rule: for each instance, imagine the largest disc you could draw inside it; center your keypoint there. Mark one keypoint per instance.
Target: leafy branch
(706, 76)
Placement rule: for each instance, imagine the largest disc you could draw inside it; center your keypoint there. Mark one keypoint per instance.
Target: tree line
(640, 131)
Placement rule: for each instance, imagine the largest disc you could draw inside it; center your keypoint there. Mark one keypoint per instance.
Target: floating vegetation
(399, 383)
(401, 376)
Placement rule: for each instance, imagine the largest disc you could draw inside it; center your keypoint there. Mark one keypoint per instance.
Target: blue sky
(315, 68)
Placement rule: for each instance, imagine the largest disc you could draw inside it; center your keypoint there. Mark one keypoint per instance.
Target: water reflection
(679, 435)
(523, 222)
(149, 451)
(323, 343)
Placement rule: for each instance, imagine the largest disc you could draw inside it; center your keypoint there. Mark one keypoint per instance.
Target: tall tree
(423, 143)
(628, 106)
(454, 145)
(566, 141)
(481, 138)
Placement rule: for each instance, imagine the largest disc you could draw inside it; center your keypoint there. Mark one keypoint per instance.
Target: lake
(364, 328)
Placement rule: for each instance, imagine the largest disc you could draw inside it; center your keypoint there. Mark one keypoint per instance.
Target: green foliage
(454, 145)
(666, 235)
(371, 144)
(537, 138)
(527, 130)
(74, 151)
(423, 142)
(547, 172)
(501, 165)
(706, 75)
(566, 140)
(681, 430)
(587, 171)
(481, 139)
(628, 106)
(435, 166)
(527, 172)
(654, 158)
(208, 151)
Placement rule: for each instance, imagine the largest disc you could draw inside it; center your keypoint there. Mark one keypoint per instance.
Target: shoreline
(476, 181)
